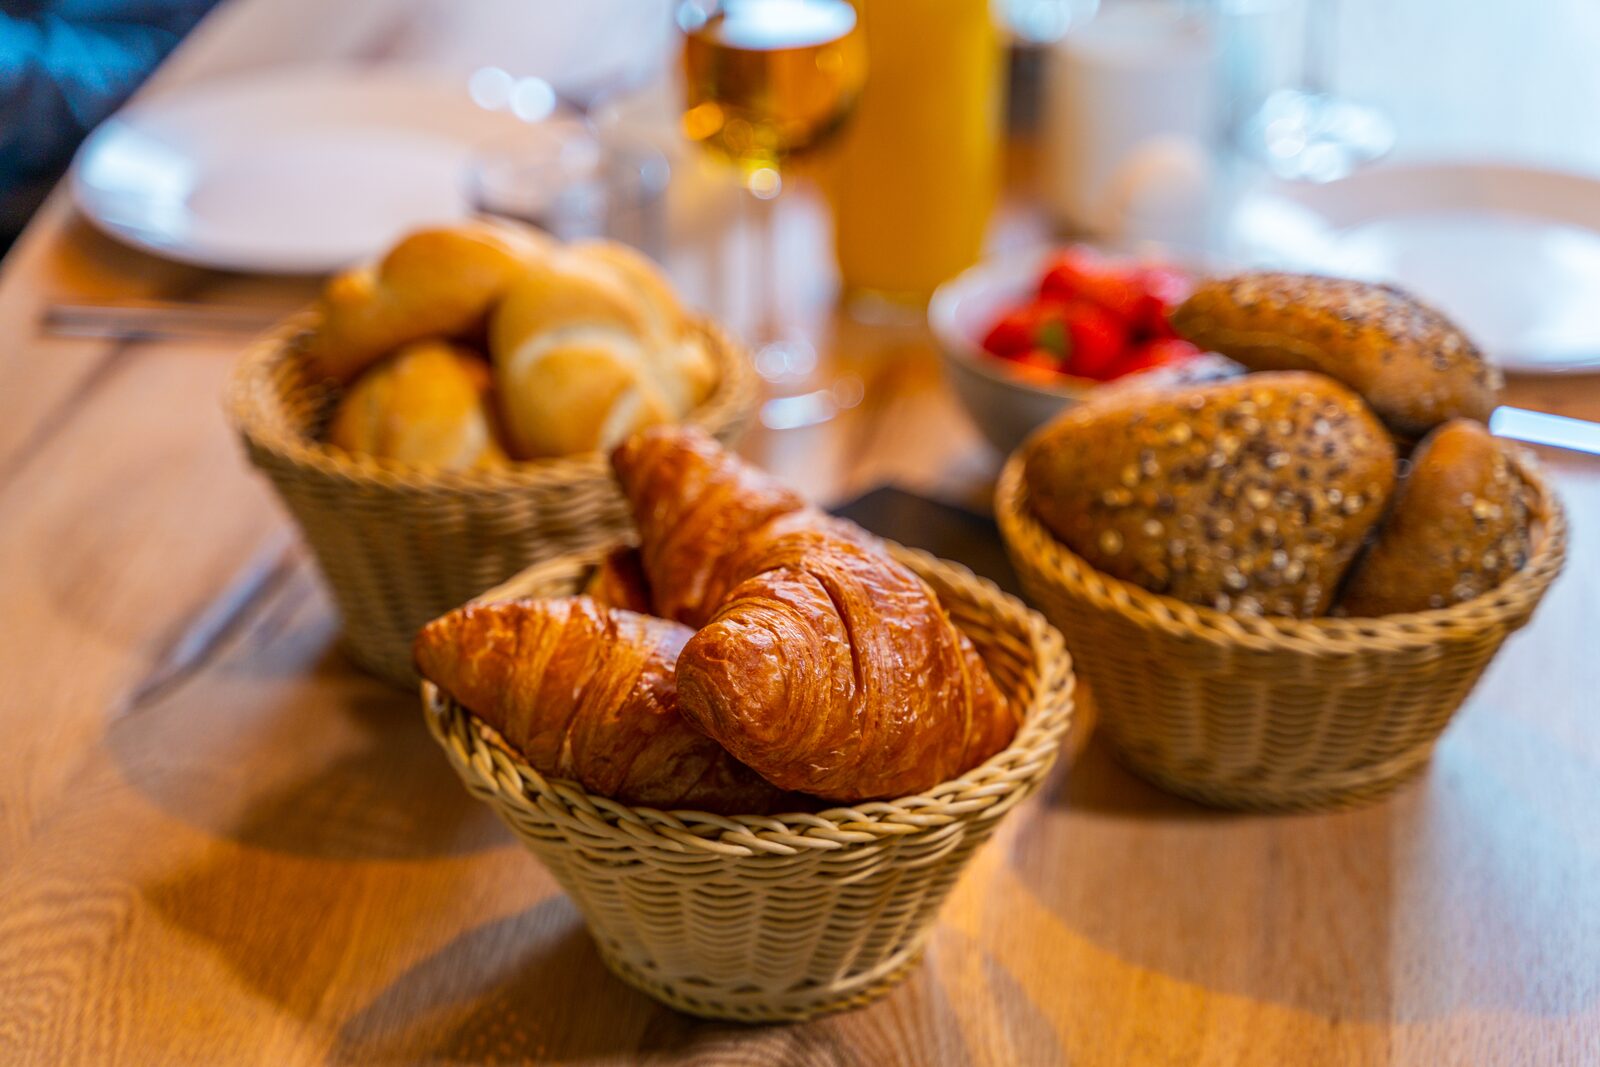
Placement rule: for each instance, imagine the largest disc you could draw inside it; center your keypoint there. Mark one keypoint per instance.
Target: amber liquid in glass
(770, 79)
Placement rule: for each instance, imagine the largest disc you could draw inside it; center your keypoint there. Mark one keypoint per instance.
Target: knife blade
(1542, 428)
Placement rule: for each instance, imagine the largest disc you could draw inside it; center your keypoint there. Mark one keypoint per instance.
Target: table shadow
(1441, 899)
(529, 987)
(288, 747)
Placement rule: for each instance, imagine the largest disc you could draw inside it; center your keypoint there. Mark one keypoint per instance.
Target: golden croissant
(587, 693)
(619, 582)
(826, 665)
(694, 505)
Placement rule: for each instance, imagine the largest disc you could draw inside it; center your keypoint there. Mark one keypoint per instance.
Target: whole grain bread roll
(1409, 362)
(1460, 525)
(1250, 496)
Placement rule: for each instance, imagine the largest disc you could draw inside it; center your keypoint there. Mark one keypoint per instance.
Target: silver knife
(1539, 428)
(151, 320)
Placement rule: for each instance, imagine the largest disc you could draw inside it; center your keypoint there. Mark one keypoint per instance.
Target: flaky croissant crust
(823, 663)
(833, 670)
(587, 693)
(693, 505)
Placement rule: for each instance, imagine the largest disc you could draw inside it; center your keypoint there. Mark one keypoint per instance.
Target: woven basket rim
(1009, 775)
(249, 390)
(1508, 605)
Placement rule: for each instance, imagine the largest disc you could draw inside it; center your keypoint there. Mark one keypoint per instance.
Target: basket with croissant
(438, 421)
(758, 750)
(1280, 587)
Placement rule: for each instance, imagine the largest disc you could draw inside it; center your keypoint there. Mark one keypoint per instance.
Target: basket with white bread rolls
(1280, 586)
(438, 419)
(758, 748)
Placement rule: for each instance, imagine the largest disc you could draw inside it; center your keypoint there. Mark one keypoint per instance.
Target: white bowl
(1003, 400)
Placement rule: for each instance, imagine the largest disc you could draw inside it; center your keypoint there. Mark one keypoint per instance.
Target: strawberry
(1155, 354)
(1067, 272)
(1097, 339)
(1162, 289)
(1015, 331)
(1038, 360)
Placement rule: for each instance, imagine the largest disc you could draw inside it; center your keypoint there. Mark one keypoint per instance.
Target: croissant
(833, 670)
(587, 693)
(619, 582)
(433, 283)
(823, 663)
(693, 505)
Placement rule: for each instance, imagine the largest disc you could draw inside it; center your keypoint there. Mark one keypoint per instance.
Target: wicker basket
(400, 545)
(1269, 713)
(774, 917)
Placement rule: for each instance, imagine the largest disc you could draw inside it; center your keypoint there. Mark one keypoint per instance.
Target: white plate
(1511, 253)
(300, 171)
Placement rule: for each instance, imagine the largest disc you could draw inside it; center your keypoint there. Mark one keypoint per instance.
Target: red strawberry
(1015, 331)
(1067, 272)
(1118, 292)
(1097, 338)
(1038, 359)
(1163, 288)
(1155, 354)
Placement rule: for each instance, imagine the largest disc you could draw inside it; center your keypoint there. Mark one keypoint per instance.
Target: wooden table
(221, 844)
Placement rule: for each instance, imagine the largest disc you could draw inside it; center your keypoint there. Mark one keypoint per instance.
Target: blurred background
(782, 156)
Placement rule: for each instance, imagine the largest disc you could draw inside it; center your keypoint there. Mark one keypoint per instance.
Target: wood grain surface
(221, 844)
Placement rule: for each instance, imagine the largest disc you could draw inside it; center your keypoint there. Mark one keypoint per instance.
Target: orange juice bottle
(919, 168)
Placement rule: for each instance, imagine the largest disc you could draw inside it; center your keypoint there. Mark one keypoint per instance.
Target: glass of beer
(767, 81)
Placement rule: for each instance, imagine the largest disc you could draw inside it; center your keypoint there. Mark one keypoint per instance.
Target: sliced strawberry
(1097, 337)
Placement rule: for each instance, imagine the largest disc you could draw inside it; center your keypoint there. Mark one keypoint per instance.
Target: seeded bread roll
(1250, 496)
(1459, 527)
(1409, 362)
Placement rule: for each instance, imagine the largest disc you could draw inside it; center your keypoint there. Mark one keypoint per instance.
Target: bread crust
(437, 282)
(833, 670)
(821, 661)
(1251, 495)
(1461, 523)
(426, 406)
(589, 693)
(1407, 360)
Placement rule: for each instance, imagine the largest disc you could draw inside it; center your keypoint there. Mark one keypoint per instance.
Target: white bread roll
(590, 345)
(426, 405)
(433, 283)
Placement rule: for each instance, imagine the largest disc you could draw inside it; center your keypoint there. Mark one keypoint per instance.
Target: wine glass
(766, 81)
(1310, 133)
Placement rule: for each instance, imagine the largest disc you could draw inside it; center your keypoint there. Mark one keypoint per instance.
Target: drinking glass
(567, 178)
(766, 81)
(1310, 133)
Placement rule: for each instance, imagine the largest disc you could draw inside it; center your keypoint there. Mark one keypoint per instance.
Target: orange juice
(919, 168)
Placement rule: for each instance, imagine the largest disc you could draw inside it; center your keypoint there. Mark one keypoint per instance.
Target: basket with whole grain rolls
(758, 750)
(437, 421)
(1280, 587)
